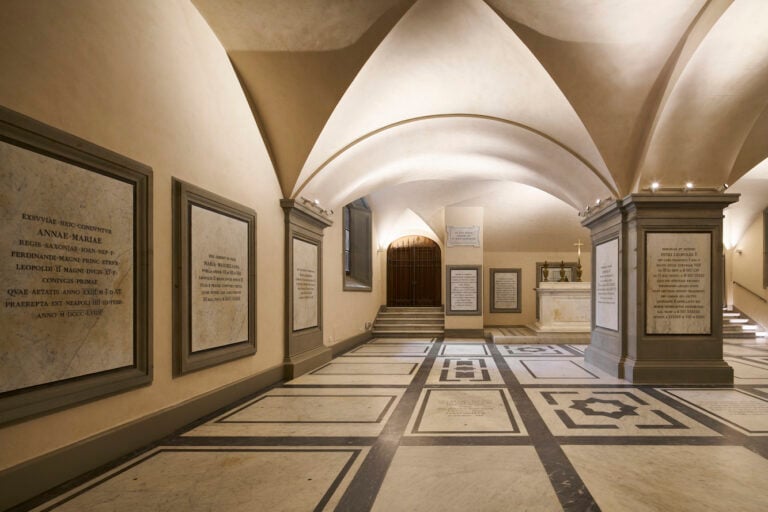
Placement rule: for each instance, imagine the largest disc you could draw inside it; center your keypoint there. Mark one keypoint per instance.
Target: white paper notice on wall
(463, 236)
(607, 285)
(678, 283)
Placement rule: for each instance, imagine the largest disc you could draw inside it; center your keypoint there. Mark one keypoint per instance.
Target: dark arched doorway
(413, 272)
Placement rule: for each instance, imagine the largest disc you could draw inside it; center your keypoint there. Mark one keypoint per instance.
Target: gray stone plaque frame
(22, 131)
(185, 360)
(494, 308)
(478, 275)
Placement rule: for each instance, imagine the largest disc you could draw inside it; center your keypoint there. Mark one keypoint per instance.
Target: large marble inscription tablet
(67, 271)
(607, 284)
(678, 283)
(463, 290)
(305, 285)
(219, 281)
(505, 290)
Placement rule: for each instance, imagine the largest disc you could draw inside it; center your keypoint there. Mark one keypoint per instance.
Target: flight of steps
(399, 322)
(737, 325)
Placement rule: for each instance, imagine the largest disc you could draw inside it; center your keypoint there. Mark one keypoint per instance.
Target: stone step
(406, 314)
(408, 327)
(407, 334)
(431, 309)
(415, 320)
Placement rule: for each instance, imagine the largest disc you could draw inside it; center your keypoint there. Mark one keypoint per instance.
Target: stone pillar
(304, 349)
(658, 287)
(463, 270)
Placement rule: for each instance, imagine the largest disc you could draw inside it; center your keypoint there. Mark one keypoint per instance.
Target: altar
(564, 307)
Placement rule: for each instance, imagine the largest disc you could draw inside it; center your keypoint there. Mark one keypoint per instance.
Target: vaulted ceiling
(580, 99)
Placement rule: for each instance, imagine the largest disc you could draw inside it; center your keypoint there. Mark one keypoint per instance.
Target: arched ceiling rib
(456, 148)
(714, 104)
(295, 60)
(609, 59)
(445, 57)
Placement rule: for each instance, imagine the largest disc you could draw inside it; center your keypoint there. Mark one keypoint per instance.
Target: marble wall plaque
(463, 236)
(214, 252)
(305, 285)
(678, 283)
(463, 290)
(607, 285)
(67, 271)
(505, 290)
(219, 280)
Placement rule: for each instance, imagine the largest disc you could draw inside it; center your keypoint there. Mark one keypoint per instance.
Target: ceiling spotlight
(655, 186)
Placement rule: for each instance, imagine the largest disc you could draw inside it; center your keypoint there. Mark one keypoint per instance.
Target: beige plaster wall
(148, 80)
(526, 262)
(748, 272)
(346, 312)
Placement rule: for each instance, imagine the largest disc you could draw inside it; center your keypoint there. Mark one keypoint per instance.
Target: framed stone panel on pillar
(304, 348)
(463, 290)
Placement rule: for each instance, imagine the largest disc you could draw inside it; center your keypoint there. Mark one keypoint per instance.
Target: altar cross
(579, 245)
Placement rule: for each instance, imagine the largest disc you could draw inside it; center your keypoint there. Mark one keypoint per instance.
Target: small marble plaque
(678, 283)
(607, 285)
(305, 285)
(67, 240)
(463, 236)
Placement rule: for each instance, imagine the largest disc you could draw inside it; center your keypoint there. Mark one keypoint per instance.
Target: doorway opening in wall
(413, 272)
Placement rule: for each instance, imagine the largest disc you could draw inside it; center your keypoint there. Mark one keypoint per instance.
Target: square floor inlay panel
(558, 370)
(611, 412)
(667, 478)
(466, 478)
(456, 412)
(741, 410)
(466, 370)
(169, 479)
(537, 350)
(464, 349)
(307, 412)
(736, 350)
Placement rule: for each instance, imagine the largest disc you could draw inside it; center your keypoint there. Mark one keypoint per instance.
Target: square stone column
(304, 348)
(657, 281)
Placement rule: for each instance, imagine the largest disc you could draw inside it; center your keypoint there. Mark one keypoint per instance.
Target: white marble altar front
(564, 307)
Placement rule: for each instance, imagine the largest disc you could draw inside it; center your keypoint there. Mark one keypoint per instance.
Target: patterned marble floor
(419, 424)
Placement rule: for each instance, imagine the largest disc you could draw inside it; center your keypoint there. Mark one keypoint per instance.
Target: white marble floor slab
(535, 350)
(464, 349)
(169, 479)
(465, 412)
(748, 372)
(743, 411)
(385, 370)
(558, 370)
(307, 412)
(390, 349)
(467, 370)
(610, 412)
(736, 350)
(673, 478)
(466, 478)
